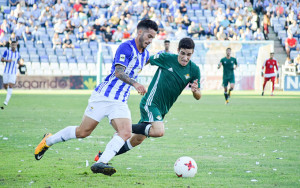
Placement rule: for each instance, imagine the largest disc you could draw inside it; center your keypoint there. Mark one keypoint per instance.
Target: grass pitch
(252, 142)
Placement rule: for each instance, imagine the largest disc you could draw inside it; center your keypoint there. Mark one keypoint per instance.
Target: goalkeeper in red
(269, 72)
(174, 73)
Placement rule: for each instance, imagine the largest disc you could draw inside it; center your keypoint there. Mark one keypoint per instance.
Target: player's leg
(264, 85)
(273, 84)
(71, 132)
(120, 118)
(9, 93)
(232, 82)
(225, 84)
(123, 128)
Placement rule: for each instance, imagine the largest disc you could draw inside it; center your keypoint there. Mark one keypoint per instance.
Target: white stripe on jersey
(150, 115)
(11, 68)
(152, 93)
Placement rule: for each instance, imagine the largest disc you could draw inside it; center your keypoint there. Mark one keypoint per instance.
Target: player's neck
(228, 57)
(140, 49)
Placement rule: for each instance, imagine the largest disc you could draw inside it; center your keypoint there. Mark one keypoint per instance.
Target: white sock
(62, 135)
(113, 146)
(129, 144)
(8, 95)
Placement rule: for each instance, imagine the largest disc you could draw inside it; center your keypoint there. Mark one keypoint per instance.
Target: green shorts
(150, 113)
(227, 80)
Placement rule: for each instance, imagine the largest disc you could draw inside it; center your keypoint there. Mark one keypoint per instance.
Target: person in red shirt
(77, 6)
(290, 44)
(269, 72)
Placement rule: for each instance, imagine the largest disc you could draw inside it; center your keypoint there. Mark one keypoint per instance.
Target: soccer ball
(185, 167)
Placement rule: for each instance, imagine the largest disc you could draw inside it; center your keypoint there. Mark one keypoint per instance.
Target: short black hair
(186, 43)
(14, 42)
(167, 41)
(147, 24)
(228, 48)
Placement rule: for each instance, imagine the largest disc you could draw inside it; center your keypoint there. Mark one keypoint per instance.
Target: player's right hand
(140, 88)
(262, 74)
(8, 61)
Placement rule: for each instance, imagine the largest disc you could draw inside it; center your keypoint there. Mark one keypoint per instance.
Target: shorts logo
(122, 57)
(187, 76)
(158, 117)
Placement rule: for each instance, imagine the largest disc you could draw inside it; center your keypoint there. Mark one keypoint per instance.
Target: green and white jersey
(228, 66)
(169, 81)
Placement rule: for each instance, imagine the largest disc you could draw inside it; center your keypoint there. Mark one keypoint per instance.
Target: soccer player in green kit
(229, 65)
(174, 73)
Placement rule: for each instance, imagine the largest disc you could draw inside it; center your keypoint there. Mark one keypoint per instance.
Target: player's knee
(82, 133)
(158, 133)
(125, 134)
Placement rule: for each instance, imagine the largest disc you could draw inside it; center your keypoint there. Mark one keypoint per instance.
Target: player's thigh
(122, 125)
(86, 127)
(267, 79)
(150, 114)
(225, 82)
(232, 80)
(5, 79)
(273, 79)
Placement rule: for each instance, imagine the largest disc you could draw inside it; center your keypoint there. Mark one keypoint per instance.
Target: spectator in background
(254, 22)
(248, 34)
(56, 41)
(77, 6)
(297, 63)
(212, 5)
(67, 42)
(14, 39)
(193, 30)
(201, 30)
(18, 30)
(69, 28)
(35, 13)
(287, 23)
(293, 28)
(221, 35)
(288, 61)
(162, 34)
(259, 7)
(297, 34)
(182, 8)
(3, 40)
(89, 34)
(27, 35)
(13, 3)
(59, 27)
(36, 34)
(267, 23)
(126, 34)
(76, 22)
(290, 44)
(186, 21)
(118, 35)
(107, 35)
(80, 34)
(279, 9)
(170, 17)
(258, 35)
(180, 33)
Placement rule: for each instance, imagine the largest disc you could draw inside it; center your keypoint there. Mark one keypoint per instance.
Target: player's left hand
(277, 75)
(194, 86)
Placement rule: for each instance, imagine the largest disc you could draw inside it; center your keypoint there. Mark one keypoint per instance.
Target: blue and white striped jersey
(127, 55)
(11, 68)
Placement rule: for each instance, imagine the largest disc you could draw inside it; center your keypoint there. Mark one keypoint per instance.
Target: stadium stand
(42, 57)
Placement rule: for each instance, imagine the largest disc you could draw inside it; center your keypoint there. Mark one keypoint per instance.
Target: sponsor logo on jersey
(187, 76)
(170, 69)
(158, 117)
(122, 57)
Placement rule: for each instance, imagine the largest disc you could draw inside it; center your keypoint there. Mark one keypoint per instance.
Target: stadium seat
(81, 66)
(62, 59)
(75, 72)
(80, 59)
(66, 72)
(47, 72)
(84, 72)
(77, 52)
(90, 60)
(34, 57)
(44, 59)
(57, 72)
(59, 51)
(35, 65)
(54, 65)
(195, 6)
(293, 54)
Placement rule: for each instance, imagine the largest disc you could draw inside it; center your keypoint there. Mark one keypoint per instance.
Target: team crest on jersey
(158, 117)
(170, 69)
(187, 76)
(122, 57)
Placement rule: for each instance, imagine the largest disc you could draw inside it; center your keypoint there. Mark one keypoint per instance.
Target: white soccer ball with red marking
(185, 167)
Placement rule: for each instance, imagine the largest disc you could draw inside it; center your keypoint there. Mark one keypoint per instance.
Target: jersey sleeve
(221, 61)
(4, 54)
(276, 65)
(264, 64)
(158, 59)
(235, 61)
(123, 54)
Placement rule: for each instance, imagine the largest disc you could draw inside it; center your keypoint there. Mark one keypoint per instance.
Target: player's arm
(119, 71)
(3, 58)
(262, 69)
(196, 90)
(236, 65)
(220, 65)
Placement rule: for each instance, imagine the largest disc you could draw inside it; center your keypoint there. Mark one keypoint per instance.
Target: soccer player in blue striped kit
(12, 59)
(109, 99)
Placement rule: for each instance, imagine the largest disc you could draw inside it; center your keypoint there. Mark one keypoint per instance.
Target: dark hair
(167, 41)
(186, 43)
(14, 42)
(147, 24)
(228, 48)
